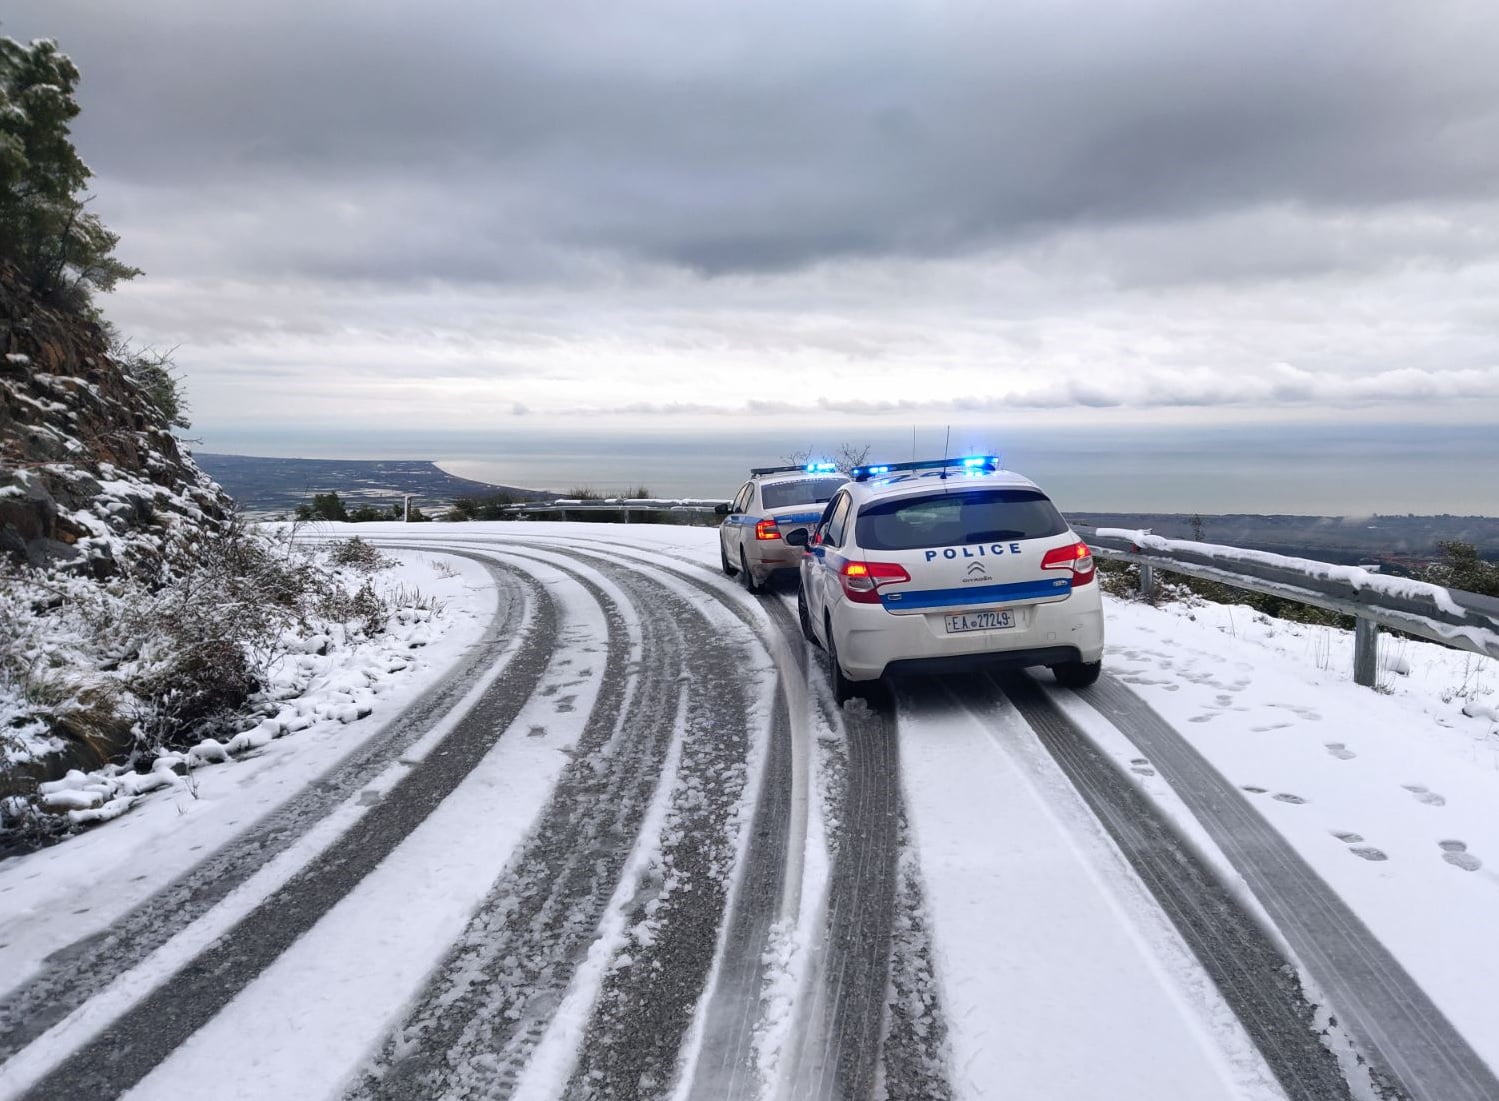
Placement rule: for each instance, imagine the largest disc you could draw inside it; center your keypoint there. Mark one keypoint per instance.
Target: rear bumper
(872, 640)
(766, 556)
(1001, 659)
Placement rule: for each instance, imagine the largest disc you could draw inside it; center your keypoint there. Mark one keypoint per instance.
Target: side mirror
(721, 509)
(797, 537)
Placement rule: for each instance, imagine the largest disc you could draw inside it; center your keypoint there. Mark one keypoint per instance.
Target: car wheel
(723, 556)
(843, 688)
(1077, 674)
(806, 620)
(747, 575)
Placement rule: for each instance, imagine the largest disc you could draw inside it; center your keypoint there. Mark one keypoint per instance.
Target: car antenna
(946, 446)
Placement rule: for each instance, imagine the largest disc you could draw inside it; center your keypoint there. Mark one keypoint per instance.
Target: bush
(154, 374)
(324, 506)
(1462, 568)
(125, 670)
(481, 508)
(357, 555)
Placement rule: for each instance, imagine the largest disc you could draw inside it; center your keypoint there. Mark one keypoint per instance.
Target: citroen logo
(976, 569)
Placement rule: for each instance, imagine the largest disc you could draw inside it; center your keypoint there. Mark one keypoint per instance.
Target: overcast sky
(644, 215)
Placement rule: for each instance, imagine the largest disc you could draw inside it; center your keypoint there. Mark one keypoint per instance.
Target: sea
(1305, 468)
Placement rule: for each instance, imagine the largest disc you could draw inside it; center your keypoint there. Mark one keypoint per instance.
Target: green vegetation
(153, 372)
(1461, 567)
(325, 506)
(62, 252)
(481, 508)
(329, 506)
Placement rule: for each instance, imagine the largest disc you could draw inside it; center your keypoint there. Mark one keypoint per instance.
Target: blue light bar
(970, 464)
(822, 468)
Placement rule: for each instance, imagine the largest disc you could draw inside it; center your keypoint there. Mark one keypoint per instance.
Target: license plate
(979, 621)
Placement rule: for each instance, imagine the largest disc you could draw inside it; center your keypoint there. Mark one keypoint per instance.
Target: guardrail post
(625, 512)
(1365, 651)
(1147, 581)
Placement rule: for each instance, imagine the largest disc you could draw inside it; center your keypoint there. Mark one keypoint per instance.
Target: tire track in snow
(724, 1067)
(844, 1020)
(75, 973)
(635, 1036)
(489, 1004)
(890, 1037)
(128, 1048)
(914, 1054)
(768, 883)
(1411, 1047)
(1251, 974)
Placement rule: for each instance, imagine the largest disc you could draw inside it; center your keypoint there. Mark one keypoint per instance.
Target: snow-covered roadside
(1391, 795)
(58, 895)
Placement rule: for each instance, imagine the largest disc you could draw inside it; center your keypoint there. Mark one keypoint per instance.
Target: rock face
(91, 477)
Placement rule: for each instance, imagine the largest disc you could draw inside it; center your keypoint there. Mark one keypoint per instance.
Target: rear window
(948, 519)
(806, 491)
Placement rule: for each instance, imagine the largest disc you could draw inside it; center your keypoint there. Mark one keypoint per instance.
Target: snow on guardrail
(1463, 620)
(1356, 577)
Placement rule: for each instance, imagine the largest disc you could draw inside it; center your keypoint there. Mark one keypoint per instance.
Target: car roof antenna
(946, 446)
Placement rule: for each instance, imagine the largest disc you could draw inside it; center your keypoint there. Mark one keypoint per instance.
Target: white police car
(944, 565)
(776, 501)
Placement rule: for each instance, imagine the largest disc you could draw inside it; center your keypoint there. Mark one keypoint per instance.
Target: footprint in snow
(537, 732)
(1267, 729)
(1141, 767)
(1456, 853)
(1363, 852)
(1254, 790)
(1283, 797)
(1341, 751)
(1199, 718)
(1425, 795)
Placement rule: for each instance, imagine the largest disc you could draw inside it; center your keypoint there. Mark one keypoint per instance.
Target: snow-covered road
(625, 846)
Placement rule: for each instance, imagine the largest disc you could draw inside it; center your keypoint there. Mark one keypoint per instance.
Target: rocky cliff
(91, 477)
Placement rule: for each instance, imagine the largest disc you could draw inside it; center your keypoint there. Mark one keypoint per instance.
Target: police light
(981, 462)
(822, 468)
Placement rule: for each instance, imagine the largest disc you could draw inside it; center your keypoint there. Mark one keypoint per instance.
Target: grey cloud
(487, 142)
(1282, 383)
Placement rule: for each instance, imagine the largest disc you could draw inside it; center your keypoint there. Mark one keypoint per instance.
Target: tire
(747, 576)
(806, 620)
(843, 688)
(723, 556)
(1077, 674)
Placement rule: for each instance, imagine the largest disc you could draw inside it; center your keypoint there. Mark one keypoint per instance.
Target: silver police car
(776, 501)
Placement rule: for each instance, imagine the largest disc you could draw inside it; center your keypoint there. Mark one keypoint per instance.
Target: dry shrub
(357, 555)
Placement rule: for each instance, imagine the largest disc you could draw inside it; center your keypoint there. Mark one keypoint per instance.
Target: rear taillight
(1077, 558)
(862, 580)
(766, 529)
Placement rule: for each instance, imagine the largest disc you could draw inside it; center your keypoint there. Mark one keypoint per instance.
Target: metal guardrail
(1451, 617)
(621, 505)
